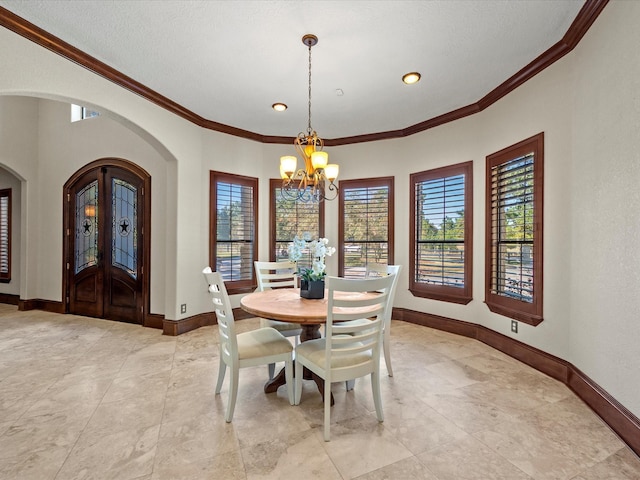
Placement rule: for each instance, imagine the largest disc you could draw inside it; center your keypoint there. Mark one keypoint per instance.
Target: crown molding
(583, 21)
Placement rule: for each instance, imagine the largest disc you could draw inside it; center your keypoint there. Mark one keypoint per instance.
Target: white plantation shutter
(5, 235)
(291, 218)
(441, 233)
(366, 224)
(234, 223)
(514, 230)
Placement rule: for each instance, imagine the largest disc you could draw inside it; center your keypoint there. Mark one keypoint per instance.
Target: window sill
(524, 317)
(443, 297)
(241, 290)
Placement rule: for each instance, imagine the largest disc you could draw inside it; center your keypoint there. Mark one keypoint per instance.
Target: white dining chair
(380, 270)
(277, 275)
(347, 351)
(247, 349)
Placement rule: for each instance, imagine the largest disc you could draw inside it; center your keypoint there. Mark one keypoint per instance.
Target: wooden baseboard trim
(9, 299)
(154, 320)
(184, 325)
(624, 423)
(177, 327)
(617, 416)
(39, 304)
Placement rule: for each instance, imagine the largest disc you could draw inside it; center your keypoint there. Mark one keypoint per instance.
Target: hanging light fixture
(309, 184)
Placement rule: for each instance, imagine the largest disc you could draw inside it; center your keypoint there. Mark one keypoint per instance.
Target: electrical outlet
(183, 308)
(514, 326)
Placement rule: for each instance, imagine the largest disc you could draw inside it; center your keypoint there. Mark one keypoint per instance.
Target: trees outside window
(290, 218)
(365, 225)
(514, 231)
(233, 229)
(441, 233)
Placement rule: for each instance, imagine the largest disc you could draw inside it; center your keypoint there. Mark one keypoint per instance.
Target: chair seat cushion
(280, 326)
(314, 350)
(262, 343)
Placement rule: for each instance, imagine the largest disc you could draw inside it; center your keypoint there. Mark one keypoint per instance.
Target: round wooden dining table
(286, 305)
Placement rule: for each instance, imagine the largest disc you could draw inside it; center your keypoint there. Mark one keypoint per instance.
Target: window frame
(530, 313)
(5, 277)
(274, 184)
(345, 185)
(444, 293)
(239, 286)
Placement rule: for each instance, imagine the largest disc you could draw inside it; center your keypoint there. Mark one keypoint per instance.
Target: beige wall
(587, 105)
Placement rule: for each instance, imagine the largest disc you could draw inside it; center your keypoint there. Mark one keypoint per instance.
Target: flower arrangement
(318, 248)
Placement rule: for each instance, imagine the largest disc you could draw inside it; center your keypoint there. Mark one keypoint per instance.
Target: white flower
(318, 249)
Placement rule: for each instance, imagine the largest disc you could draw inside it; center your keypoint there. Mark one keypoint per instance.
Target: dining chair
(380, 270)
(277, 275)
(247, 349)
(351, 351)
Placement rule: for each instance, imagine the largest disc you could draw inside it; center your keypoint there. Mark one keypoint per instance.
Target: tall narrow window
(365, 225)
(441, 233)
(5, 235)
(234, 218)
(290, 218)
(514, 231)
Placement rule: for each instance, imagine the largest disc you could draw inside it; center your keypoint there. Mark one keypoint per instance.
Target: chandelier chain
(309, 130)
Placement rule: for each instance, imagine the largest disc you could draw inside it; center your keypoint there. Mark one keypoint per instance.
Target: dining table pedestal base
(309, 332)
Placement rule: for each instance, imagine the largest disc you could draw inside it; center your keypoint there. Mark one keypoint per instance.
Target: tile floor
(82, 398)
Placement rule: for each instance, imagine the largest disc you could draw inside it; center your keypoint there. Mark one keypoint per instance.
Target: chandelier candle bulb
(288, 165)
(331, 171)
(319, 159)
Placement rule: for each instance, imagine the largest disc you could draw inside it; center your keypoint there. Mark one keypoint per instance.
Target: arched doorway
(107, 214)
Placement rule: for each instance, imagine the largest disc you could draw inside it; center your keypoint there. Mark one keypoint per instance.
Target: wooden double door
(105, 225)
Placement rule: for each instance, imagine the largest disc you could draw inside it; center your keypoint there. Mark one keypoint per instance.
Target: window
(5, 235)
(233, 234)
(290, 218)
(82, 113)
(441, 233)
(366, 225)
(513, 284)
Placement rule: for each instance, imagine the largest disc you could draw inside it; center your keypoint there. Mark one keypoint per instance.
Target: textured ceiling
(229, 61)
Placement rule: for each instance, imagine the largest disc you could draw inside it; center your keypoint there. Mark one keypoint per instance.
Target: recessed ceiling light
(411, 78)
(279, 107)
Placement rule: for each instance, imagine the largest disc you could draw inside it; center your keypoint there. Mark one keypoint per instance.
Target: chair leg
(222, 368)
(327, 409)
(350, 384)
(288, 373)
(272, 370)
(387, 350)
(233, 392)
(377, 400)
(298, 384)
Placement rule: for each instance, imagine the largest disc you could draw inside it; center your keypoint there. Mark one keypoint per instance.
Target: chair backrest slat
(224, 313)
(380, 270)
(357, 299)
(275, 274)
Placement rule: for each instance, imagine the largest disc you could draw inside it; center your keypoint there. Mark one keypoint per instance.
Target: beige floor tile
(407, 469)
(125, 455)
(469, 459)
(298, 455)
(362, 444)
(85, 398)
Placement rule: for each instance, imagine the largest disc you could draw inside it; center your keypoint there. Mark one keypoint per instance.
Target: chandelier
(309, 184)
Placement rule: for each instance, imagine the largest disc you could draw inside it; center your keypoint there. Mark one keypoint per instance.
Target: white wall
(587, 104)
(605, 215)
